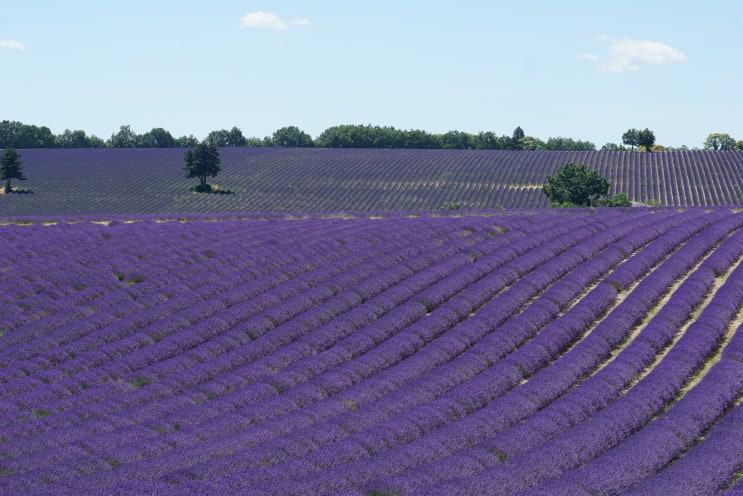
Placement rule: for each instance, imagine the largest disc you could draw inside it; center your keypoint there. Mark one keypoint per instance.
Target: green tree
(646, 139)
(456, 140)
(517, 139)
(719, 141)
(189, 141)
(202, 161)
(531, 143)
(613, 147)
(156, 138)
(73, 139)
(10, 168)
(575, 186)
(568, 144)
(224, 138)
(631, 138)
(18, 135)
(291, 136)
(125, 138)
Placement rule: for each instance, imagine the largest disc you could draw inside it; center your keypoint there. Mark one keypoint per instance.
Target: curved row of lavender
(141, 181)
(588, 352)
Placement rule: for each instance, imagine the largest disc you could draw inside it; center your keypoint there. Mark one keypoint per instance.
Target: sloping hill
(550, 353)
(109, 181)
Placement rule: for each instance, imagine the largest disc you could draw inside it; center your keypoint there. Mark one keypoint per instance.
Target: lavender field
(580, 352)
(147, 181)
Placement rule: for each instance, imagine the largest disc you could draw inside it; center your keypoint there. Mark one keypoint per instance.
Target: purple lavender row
(482, 420)
(610, 426)
(110, 271)
(737, 489)
(595, 392)
(550, 385)
(667, 438)
(17, 352)
(202, 276)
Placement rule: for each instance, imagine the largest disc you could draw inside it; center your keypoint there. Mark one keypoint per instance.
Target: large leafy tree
(719, 141)
(631, 138)
(224, 138)
(124, 138)
(202, 161)
(156, 138)
(517, 139)
(11, 168)
(291, 136)
(646, 139)
(576, 186)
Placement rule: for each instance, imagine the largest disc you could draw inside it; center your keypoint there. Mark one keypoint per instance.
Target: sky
(586, 70)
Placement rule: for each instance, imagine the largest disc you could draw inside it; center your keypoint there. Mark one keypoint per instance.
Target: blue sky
(582, 69)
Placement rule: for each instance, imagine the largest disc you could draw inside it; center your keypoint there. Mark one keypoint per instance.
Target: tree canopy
(720, 141)
(576, 186)
(646, 139)
(10, 168)
(202, 161)
(291, 136)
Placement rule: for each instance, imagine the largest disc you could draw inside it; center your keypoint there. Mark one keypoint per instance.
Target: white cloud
(627, 55)
(13, 44)
(267, 20)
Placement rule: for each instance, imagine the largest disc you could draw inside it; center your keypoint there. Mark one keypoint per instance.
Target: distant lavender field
(589, 352)
(141, 181)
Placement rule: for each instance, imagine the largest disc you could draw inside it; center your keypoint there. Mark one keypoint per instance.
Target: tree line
(17, 135)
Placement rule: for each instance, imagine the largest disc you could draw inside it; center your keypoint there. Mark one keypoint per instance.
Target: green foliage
(141, 381)
(125, 138)
(720, 141)
(202, 161)
(78, 139)
(635, 139)
(613, 147)
(223, 138)
(18, 135)
(646, 139)
(450, 206)
(291, 136)
(618, 200)
(456, 140)
(567, 144)
(575, 186)
(10, 168)
(202, 188)
(517, 139)
(156, 138)
(631, 138)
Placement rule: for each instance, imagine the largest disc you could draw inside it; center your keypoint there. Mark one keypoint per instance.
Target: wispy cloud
(588, 56)
(268, 20)
(626, 55)
(12, 44)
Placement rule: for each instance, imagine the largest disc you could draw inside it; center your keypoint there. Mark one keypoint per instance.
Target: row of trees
(18, 135)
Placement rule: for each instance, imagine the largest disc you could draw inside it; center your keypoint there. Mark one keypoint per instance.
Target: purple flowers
(515, 353)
